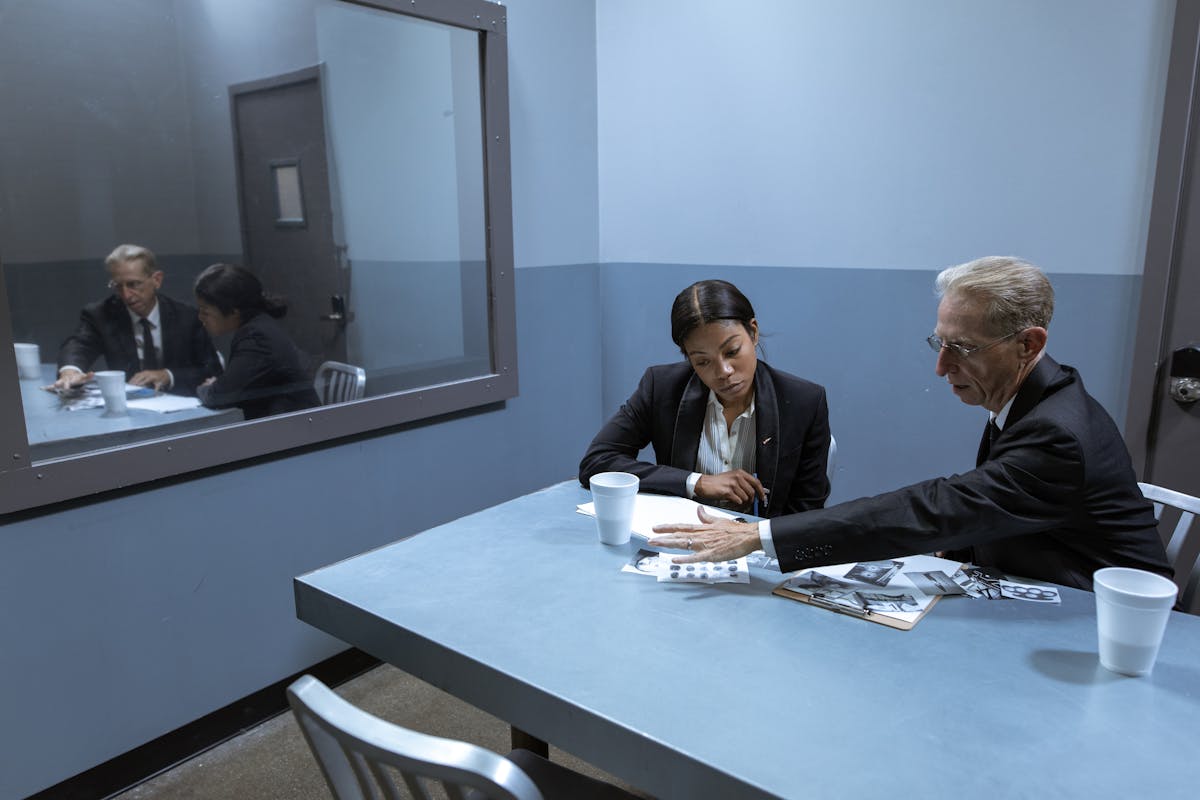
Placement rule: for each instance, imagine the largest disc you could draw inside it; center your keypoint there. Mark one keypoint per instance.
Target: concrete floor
(273, 761)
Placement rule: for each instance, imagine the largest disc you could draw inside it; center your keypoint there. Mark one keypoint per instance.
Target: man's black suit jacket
(105, 329)
(1056, 499)
(667, 410)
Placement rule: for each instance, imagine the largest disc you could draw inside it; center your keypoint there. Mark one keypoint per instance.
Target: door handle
(338, 313)
(1185, 374)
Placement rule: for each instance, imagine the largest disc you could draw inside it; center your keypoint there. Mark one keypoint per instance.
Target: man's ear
(1033, 341)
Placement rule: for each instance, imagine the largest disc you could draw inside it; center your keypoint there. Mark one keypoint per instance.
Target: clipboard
(900, 620)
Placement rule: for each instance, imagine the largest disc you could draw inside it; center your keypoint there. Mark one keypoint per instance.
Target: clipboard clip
(854, 612)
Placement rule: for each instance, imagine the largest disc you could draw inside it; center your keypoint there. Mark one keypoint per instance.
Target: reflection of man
(1053, 495)
(153, 339)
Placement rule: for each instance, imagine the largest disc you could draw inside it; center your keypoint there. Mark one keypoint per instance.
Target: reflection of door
(287, 219)
(1164, 434)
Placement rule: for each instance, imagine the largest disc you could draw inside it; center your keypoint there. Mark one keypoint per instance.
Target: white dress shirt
(723, 447)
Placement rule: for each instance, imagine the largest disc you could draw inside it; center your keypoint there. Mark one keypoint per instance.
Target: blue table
(55, 432)
(727, 691)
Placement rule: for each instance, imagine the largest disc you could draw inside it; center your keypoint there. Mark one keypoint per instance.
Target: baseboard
(129, 769)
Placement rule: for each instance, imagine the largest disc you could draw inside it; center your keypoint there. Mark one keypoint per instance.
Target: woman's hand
(157, 379)
(712, 540)
(736, 487)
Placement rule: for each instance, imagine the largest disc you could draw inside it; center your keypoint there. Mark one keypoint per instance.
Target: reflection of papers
(660, 509)
(900, 597)
(79, 398)
(164, 403)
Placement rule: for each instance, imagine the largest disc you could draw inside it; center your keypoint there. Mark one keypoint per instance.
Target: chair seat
(557, 782)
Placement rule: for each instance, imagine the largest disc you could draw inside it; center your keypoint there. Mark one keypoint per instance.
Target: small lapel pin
(766, 440)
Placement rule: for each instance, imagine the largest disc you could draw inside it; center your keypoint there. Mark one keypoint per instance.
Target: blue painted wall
(653, 144)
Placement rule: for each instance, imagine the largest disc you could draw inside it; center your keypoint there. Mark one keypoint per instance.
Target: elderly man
(1053, 495)
(155, 340)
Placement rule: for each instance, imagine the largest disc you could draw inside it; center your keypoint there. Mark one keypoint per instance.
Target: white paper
(660, 509)
(732, 571)
(164, 403)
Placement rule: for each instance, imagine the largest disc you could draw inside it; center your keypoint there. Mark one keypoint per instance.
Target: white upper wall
(878, 133)
(552, 124)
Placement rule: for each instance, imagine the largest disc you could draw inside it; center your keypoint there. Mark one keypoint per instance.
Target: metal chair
(1184, 555)
(336, 382)
(361, 757)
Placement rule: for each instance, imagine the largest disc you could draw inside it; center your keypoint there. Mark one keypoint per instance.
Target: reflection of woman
(727, 429)
(264, 373)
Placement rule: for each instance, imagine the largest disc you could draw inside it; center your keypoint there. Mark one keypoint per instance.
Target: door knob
(338, 314)
(1185, 374)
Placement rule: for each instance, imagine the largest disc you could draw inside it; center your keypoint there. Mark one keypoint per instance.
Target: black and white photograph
(1025, 591)
(644, 562)
(888, 601)
(934, 583)
(876, 573)
(980, 581)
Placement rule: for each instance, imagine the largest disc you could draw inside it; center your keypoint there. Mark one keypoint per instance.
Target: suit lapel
(689, 420)
(1032, 390)
(123, 337)
(166, 322)
(766, 434)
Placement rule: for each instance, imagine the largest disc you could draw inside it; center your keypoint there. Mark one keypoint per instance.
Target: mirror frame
(26, 485)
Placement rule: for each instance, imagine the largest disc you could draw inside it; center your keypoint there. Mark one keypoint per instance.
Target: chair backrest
(1183, 552)
(362, 756)
(832, 458)
(336, 382)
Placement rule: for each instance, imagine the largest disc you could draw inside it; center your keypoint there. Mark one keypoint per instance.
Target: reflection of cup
(112, 389)
(1132, 608)
(614, 494)
(29, 361)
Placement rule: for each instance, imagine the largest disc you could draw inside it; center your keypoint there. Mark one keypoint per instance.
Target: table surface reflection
(55, 432)
(727, 691)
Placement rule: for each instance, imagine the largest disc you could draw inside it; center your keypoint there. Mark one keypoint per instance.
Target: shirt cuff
(70, 366)
(170, 379)
(692, 480)
(764, 536)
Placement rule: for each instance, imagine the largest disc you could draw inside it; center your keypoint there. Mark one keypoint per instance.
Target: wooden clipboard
(891, 619)
(880, 617)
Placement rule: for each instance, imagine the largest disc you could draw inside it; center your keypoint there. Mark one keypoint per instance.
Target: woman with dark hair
(726, 428)
(265, 372)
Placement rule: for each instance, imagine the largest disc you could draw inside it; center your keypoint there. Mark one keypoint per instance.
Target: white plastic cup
(614, 494)
(112, 389)
(29, 361)
(1132, 608)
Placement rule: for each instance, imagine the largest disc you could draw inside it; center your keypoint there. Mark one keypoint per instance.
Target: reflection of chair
(1182, 554)
(336, 382)
(832, 458)
(360, 756)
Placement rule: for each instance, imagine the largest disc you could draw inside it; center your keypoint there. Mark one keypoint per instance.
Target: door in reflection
(283, 190)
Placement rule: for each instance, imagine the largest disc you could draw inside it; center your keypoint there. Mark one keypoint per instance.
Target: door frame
(1180, 129)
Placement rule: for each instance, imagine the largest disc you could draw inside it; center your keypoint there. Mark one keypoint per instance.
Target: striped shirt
(724, 448)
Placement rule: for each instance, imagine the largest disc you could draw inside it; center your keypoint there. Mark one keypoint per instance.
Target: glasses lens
(935, 344)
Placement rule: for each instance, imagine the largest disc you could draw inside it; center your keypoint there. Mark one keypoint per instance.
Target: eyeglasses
(962, 350)
(133, 286)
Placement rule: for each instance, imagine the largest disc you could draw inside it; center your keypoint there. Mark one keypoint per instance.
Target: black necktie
(985, 443)
(149, 352)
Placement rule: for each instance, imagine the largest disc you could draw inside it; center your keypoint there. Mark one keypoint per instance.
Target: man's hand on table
(70, 379)
(713, 539)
